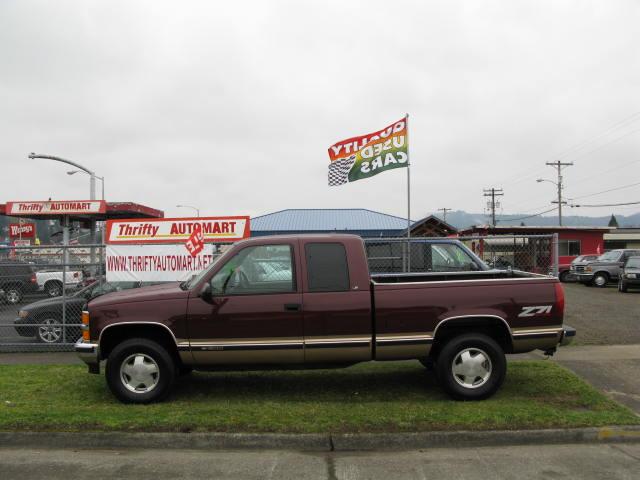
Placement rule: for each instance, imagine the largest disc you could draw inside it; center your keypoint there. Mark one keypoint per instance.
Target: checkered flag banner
(339, 171)
(367, 155)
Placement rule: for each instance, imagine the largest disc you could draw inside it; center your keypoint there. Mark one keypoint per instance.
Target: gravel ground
(603, 316)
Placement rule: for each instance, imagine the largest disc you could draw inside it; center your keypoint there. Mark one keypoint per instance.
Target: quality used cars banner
(362, 157)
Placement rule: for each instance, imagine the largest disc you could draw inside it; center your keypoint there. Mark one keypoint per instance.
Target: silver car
(606, 268)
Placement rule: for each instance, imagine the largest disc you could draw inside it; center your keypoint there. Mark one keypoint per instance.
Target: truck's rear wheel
(471, 367)
(140, 371)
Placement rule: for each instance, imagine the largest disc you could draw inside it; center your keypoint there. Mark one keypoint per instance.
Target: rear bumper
(89, 353)
(567, 335)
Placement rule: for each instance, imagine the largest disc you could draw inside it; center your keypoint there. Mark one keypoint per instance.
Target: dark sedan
(43, 319)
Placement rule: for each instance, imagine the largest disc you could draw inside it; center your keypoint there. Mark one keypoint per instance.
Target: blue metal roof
(353, 220)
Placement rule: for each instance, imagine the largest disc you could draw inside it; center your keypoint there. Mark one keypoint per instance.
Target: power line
(616, 126)
(608, 204)
(493, 193)
(607, 191)
(530, 216)
(559, 165)
(444, 213)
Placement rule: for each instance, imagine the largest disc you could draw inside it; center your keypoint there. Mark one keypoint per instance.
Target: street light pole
(190, 206)
(558, 164)
(73, 172)
(92, 194)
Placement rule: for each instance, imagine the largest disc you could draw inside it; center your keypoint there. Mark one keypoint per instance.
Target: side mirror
(206, 294)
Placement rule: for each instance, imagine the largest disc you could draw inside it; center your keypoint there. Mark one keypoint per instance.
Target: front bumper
(567, 335)
(584, 277)
(89, 353)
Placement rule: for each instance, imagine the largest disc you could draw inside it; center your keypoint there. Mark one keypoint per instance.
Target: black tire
(53, 288)
(601, 279)
(565, 276)
(153, 355)
(622, 287)
(13, 294)
(475, 344)
(428, 363)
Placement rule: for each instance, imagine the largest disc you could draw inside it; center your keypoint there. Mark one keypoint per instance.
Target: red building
(572, 241)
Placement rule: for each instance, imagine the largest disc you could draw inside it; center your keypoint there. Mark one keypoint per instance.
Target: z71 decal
(536, 310)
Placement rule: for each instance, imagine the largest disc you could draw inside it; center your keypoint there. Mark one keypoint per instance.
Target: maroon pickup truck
(309, 301)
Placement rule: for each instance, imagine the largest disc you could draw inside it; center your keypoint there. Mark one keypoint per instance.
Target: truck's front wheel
(471, 367)
(140, 371)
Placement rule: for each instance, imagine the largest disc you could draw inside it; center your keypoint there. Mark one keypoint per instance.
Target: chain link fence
(530, 253)
(43, 289)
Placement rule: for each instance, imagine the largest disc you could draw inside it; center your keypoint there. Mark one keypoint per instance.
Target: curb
(318, 442)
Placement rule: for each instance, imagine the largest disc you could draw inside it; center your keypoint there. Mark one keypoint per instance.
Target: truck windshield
(611, 256)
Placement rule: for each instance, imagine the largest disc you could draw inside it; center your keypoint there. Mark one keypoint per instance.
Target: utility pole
(559, 165)
(493, 193)
(444, 213)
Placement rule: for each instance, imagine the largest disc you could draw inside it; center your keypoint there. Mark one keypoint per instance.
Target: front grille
(580, 268)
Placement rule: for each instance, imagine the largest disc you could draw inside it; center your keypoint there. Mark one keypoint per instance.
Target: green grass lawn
(383, 397)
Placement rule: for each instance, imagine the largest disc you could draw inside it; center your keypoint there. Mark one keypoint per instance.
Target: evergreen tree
(613, 222)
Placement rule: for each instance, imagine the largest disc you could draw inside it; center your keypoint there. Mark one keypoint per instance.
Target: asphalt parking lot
(603, 316)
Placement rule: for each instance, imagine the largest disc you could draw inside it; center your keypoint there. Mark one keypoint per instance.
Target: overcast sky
(231, 106)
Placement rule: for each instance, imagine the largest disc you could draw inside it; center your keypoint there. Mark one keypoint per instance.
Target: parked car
(16, 279)
(461, 317)
(568, 272)
(606, 268)
(50, 281)
(630, 276)
(43, 319)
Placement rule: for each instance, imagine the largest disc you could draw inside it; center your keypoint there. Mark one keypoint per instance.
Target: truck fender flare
(481, 315)
(137, 323)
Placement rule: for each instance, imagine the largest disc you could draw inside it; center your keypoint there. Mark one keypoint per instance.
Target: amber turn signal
(85, 325)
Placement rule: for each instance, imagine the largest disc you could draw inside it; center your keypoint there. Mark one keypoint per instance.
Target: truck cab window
(256, 270)
(327, 268)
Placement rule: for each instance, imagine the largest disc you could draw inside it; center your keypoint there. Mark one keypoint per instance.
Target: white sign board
(154, 263)
(53, 207)
(176, 230)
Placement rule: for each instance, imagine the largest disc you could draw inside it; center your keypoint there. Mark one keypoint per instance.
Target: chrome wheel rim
(54, 291)
(50, 331)
(600, 281)
(139, 373)
(471, 368)
(13, 296)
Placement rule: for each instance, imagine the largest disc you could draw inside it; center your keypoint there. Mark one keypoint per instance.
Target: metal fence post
(556, 256)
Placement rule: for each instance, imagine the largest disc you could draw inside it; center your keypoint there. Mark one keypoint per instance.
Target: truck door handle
(292, 307)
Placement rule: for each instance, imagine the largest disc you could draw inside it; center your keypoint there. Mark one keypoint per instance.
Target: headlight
(588, 269)
(23, 314)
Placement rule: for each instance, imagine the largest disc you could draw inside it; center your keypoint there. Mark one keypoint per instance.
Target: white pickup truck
(50, 281)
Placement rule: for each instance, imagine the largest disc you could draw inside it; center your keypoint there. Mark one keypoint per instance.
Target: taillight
(34, 279)
(85, 325)
(559, 299)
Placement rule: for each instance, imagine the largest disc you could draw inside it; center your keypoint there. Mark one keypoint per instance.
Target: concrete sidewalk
(613, 369)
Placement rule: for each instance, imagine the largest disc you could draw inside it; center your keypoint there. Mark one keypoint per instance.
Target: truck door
(337, 303)
(254, 315)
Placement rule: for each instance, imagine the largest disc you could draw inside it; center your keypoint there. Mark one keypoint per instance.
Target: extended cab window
(327, 268)
(256, 270)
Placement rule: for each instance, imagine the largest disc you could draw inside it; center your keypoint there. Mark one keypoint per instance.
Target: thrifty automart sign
(52, 207)
(154, 263)
(177, 230)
